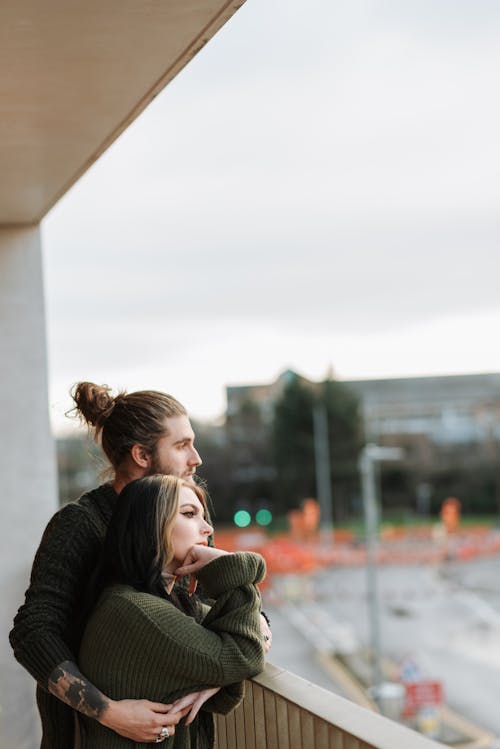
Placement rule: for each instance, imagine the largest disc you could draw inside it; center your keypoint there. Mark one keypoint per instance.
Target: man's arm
(68, 684)
(45, 627)
(64, 562)
(139, 720)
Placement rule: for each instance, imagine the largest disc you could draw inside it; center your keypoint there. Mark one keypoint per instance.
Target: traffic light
(264, 516)
(242, 518)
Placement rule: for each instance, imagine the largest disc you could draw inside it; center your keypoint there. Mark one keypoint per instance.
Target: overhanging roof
(74, 75)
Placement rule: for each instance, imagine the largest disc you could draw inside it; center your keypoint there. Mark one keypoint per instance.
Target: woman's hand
(193, 702)
(141, 720)
(196, 558)
(267, 635)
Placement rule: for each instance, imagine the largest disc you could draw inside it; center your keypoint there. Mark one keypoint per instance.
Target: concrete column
(27, 461)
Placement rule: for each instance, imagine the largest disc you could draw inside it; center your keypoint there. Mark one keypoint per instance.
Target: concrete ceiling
(74, 74)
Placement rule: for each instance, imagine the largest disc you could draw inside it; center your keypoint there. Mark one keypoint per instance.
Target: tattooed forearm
(69, 684)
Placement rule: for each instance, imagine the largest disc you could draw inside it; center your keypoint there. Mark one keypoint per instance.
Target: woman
(147, 636)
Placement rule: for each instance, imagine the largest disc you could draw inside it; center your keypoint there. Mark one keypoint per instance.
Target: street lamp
(323, 477)
(370, 455)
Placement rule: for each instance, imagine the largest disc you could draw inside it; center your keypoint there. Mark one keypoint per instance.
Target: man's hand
(141, 720)
(267, 635)
(193, 702)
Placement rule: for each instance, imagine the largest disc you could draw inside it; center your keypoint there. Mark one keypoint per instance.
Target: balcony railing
(283, 711)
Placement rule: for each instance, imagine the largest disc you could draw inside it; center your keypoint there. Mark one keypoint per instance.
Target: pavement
(443, 616)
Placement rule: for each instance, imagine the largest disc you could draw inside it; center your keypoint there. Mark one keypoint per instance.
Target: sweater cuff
(231, 571)
(45, 656)
(226, 699)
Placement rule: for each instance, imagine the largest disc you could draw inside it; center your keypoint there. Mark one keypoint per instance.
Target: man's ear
(140, 456)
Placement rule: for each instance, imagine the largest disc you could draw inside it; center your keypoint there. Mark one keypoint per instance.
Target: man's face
(175, 453)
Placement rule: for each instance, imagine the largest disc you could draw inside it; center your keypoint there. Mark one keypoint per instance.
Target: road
(446, 619)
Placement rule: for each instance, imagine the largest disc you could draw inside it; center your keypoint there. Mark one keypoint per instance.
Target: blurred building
(434, 417)
(447, 426)
(249, 418)
(445, 411)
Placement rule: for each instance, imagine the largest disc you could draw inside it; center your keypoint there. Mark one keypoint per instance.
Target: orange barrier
(285, 555)
(450, 513)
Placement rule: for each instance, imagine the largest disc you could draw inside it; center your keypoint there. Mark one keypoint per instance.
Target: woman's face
(190, 526)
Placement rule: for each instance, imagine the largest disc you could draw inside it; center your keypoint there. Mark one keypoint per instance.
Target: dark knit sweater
(142, 646)
(47, 627)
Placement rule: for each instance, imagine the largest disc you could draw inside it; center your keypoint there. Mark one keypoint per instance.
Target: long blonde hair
(167, 508)
(137, 547)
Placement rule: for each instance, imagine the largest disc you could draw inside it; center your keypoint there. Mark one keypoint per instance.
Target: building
(452, 409)
(445, 424)
(449, 410)
(249, 417)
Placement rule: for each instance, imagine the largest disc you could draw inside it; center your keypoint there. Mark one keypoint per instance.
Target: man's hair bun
(93, 403)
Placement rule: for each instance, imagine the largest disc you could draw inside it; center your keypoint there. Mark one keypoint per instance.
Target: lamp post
(370, 455)
(322, 463)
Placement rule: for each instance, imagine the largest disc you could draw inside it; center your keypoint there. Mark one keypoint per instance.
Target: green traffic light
(264, 517)
(242, 518)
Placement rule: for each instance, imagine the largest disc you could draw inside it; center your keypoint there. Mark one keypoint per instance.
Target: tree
(293, 443)
(293, 446)
(212, 446)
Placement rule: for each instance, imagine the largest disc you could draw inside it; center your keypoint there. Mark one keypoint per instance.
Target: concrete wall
(27, 461)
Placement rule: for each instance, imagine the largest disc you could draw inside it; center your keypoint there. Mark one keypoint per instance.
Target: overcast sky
(319, 187)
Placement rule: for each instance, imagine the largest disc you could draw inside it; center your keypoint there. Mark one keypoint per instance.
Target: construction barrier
(286, 555)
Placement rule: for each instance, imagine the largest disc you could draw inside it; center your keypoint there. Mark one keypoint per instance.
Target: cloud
(319, 174)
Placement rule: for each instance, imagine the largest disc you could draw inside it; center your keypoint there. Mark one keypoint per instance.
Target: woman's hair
(137, 547)
(124, 420)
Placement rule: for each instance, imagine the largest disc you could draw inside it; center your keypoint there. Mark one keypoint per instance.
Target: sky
(317, 189)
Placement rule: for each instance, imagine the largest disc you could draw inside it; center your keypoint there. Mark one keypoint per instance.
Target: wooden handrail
(284, 711)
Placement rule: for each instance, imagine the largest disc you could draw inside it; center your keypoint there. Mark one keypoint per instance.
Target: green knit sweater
(142, 646)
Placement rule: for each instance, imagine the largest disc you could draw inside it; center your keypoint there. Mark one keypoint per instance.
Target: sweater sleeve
(168, 653)
(63, 563)
(226, 699)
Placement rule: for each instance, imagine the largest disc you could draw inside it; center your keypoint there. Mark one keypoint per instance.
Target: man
(141, 434)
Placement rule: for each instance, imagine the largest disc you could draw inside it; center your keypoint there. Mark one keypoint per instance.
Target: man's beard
(163, 469)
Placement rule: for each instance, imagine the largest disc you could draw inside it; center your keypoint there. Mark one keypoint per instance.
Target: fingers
(194, 711)
(176, 714)
(191, 704)
(200, 700)
(267, 640)
(197, 557)
(186, 701)
(171, 719)
(192, 568)
(187, 569)
(167, 717)
(166, 727)
(193, 584)
(158, 707)
(267, 635)
(163, 732)
(142, 720)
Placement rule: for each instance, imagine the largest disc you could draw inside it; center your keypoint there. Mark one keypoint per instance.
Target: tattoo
(69, 684)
